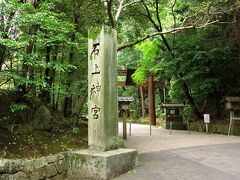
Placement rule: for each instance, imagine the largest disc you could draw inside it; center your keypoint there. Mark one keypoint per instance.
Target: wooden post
(130, 128)
(152, 115)
(231, 123)
(171, 127)
(124, 115)
(150, 129)
(207, 127)
(188, 123)
(164, 95)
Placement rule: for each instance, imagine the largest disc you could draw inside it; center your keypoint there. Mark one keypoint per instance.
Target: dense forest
(191, 45)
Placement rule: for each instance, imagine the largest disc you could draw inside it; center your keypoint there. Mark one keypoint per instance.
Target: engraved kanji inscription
(95, 50)
(95, 111)
(94, 89)
(96, 69)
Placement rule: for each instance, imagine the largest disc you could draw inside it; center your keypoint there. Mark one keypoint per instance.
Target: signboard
(206, 118)
(172, 111)
(125, 106)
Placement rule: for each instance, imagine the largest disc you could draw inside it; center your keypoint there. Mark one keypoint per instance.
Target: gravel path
(161, 139)
(182, 156)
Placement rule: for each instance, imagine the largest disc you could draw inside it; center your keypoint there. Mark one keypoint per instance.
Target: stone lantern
(233, 105)
(173, 115)
(124, 109)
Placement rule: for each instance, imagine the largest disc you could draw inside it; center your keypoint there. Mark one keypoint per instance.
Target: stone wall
(49, 167)
(82, 164)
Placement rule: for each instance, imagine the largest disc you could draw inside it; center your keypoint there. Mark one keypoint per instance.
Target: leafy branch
(122, 6)
(109, 4)
(172, 31)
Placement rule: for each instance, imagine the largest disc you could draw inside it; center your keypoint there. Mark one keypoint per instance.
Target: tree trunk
(238, 31)
(151, 98)
(48, 76)
(55, 97)
(68, 102)
(2, 55)
(142, 101)
(25, 69)
(29, 50)
(217, 103)
(191, 101)
(47, 71)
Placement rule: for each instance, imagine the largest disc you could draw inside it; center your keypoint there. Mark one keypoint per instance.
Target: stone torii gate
(151, 84)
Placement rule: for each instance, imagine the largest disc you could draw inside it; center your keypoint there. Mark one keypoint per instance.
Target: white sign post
(206, 120)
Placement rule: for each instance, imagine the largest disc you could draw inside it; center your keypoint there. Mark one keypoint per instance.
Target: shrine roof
(232, 99)
(164, 105)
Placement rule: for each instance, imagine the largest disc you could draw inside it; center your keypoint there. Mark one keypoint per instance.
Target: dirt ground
(25, 142)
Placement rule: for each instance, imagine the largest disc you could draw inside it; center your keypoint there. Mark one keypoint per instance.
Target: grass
(217, 127)
(145, 120)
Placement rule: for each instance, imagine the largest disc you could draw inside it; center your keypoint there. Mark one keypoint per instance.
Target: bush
(197, 126)
(143, 120)
(218, 127)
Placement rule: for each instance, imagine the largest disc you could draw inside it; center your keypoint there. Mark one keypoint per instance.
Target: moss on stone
(78, 158)
(94, 33)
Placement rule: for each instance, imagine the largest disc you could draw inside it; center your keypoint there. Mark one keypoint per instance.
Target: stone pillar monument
(102, 89)
(104, 159)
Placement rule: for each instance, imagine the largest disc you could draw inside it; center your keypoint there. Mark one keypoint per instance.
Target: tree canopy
(193, 44)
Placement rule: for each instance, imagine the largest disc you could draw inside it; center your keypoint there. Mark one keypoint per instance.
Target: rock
(51, 158)
(60, 176)
(51, 171)
(38, 174)
(40, 163)
(28, 166)
(20, 176)
(62, 165)
(10, 166)
(49, 167)
(61, 156)
(42, 119)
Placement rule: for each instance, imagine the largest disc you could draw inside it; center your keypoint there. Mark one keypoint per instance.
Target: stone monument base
(91, 164)
(177, 125)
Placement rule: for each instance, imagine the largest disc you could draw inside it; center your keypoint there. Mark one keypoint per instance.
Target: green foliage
(149, 51)
(45, 47)
(143, 120)
(220, 127)
(160, 113)
(30, 139)
(75, 130)
(204, 59)
(197, 126)
(187, 113)
(18, 107)
(135, 106)
(4, 119)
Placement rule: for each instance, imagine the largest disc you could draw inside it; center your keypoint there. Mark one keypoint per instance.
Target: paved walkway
(183, 156)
